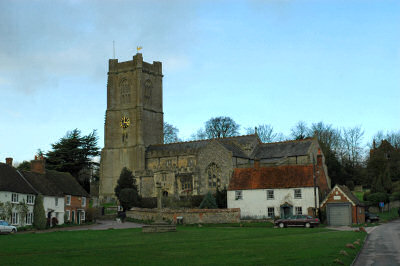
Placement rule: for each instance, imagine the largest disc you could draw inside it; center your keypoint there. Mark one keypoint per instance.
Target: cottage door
(78, 214)
(73, 217)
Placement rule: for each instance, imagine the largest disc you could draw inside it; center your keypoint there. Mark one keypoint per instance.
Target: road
(382, 246)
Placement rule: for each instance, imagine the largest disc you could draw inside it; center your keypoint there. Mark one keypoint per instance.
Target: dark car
(371, 217)
(297, 220)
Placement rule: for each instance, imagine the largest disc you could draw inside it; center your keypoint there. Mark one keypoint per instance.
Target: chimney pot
(9, 161)
(38, 165)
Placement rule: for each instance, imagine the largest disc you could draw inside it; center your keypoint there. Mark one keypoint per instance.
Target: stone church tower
(134, 118)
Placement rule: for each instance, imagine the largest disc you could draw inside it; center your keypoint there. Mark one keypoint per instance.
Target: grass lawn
(187, 246)
(359, 195)
(388, 215)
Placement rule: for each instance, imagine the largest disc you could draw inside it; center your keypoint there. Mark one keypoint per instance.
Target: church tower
(134, 118)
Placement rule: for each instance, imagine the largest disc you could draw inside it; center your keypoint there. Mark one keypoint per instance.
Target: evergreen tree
(39, 215)
(208, 202)
(377, 185)
(387, 181)
(221, 198)
(74, 153)
(126, 190)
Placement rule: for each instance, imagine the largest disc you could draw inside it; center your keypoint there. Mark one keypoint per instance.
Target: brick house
(342, 207)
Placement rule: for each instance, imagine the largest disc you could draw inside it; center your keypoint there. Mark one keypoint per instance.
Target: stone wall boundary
(188, 216)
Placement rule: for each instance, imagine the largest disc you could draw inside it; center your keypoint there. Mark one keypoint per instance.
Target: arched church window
(125, 91)
(148, 86)
(214, 175)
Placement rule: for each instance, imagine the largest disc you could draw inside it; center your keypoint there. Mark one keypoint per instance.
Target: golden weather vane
(138, 48)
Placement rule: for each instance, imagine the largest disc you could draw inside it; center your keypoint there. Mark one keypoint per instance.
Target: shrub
(375, 198)
(366, 194)
(208, 202)
(128, 197)
(395, 196)
(149, 203)
(39, 216)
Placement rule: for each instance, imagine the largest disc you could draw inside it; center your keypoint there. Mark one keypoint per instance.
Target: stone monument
(159, 225)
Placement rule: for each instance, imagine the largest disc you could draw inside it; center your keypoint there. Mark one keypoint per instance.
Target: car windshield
(4, 223)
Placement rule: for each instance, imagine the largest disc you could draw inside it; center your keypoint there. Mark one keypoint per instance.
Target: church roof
(230, 143)
(282, 149)
(12, 181)
(287, 176)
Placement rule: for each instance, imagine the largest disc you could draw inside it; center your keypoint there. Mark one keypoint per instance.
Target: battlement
(137, 62)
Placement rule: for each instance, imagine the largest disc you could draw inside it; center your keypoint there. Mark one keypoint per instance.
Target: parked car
(5, 228)
(297, 220)
(371, 217)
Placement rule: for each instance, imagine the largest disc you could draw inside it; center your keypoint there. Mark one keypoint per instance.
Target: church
(133, 138)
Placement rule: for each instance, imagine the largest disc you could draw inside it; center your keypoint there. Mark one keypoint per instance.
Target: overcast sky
(259, 62)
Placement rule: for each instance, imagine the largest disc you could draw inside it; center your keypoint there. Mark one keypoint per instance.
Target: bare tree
(199, 135)
(352, 138)
(170, 133)
(266, 133)
(300, 130)
(328, 137)
(221, 127)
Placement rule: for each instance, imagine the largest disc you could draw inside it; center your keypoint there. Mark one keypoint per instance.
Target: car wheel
(368, 220)
(13, 231)
(307, 225)
(281, 225)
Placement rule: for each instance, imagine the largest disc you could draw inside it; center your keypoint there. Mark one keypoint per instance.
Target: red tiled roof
(286, 176)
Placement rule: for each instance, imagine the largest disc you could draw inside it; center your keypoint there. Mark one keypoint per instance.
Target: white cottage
(14, 190)
(277, 191)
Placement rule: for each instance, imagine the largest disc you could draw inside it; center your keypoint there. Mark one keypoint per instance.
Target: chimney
(38, 165)
(9, 161)
(319, 157)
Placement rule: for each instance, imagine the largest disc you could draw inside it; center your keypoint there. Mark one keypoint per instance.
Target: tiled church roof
(287, 176)
(282, 149)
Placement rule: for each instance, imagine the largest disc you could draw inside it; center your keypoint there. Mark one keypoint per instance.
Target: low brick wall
(190, 216)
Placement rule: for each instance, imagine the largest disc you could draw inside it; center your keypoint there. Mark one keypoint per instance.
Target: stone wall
(391, 205)
(190, 216)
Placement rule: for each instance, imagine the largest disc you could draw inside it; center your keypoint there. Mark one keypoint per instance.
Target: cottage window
(14, 218)
(214, 175)
(82, 216)
(270, 194)
(271, 212)
(298, 210)
(30, 199)
(14, 198)
(238, 195)
(68, 200)
(83, 201)
(29, 218)
(297, 193)
(68, 215)
(56, 201)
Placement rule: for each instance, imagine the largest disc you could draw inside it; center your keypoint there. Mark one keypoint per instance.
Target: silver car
(5, 228)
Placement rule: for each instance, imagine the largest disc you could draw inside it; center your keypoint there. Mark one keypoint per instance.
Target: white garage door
(339, 214)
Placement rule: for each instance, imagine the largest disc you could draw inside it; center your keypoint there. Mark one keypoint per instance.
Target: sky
(259, 62)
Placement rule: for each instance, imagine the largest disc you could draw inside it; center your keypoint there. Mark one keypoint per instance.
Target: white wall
(49, 203)
(6, 196)
(254, 202)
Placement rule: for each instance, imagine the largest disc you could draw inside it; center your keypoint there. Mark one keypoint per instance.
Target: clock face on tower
(125, 122)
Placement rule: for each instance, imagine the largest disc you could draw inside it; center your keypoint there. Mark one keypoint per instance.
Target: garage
(338, 214)
(342, 207)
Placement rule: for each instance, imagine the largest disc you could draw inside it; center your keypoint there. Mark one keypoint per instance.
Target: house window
(214, 174)
(83, 201)
(187, 183)
(14, 218)
(82, 216)
(270, 194)
(68, 200)
(14, 198)
(56, 201)
(29, 218)
(271, 212)
(297, 193)
(168, 163)
(30, 199)
(238, 195)
(68, 212)
(298, 210)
